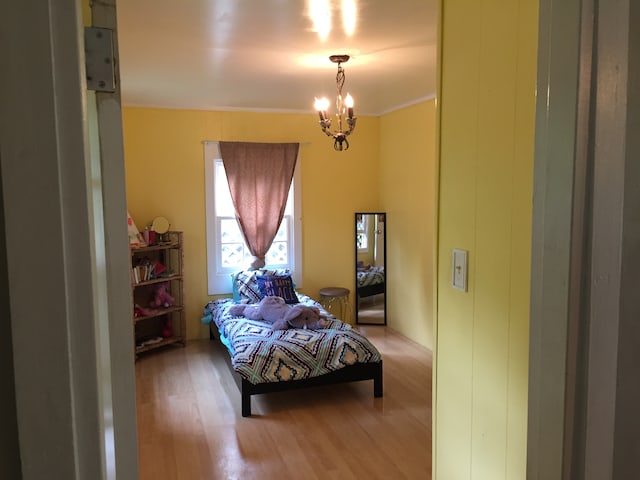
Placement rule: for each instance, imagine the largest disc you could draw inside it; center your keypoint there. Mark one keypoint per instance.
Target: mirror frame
(355, 267)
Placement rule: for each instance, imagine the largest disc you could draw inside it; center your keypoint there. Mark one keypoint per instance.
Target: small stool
(338, 296)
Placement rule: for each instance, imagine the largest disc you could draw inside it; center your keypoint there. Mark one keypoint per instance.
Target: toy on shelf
(135, 237)
(162, 297)
(139, 311)
(167, 329)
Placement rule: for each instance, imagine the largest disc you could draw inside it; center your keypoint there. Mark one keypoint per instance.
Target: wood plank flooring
(371, 310)
(190, 427)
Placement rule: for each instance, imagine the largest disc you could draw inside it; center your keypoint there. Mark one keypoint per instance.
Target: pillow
(234, 287)
(245, 286)
(278, 286)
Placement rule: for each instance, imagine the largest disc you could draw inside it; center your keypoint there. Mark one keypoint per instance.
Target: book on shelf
(144, 272)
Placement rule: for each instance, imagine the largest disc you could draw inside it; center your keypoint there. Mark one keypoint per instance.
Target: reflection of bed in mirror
(371, 282)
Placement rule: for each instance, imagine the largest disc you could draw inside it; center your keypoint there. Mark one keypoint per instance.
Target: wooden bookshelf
(152, 266)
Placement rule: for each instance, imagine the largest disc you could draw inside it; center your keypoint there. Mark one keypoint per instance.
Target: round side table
(336, 298)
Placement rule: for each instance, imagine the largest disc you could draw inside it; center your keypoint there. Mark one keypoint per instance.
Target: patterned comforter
(373, 276)
(262, 355)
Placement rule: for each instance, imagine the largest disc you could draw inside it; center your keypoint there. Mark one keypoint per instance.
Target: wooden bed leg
(246, 402)
(377, 383)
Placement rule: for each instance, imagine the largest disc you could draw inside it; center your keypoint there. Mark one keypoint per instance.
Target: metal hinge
(100, 60)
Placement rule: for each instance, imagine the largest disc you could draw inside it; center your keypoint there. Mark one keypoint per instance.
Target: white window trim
(365, 231)
(220, 283)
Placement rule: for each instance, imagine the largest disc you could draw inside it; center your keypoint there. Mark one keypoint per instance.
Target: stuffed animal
(139, 311)
(300, 316)
(167, 329)
(162, 297)
(270, 308)
(281, 316)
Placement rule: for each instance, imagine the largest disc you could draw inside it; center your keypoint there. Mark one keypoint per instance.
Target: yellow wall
(407, 193)
(487, 95)
(86, 13)
(164, 160)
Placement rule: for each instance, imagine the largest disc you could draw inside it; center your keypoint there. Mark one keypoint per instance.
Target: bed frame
(370, 290)
(351, 373)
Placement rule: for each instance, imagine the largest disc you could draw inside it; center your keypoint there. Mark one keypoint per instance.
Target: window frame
(365, 231)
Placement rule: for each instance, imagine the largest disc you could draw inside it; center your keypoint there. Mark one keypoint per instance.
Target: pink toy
(167, 329)
(162, 297)
(139, 311)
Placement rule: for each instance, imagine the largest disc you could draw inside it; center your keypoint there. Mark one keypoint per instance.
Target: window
(227, 251)
(362, 230)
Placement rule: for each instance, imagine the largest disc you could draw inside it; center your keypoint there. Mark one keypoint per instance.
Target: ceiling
(268, 55)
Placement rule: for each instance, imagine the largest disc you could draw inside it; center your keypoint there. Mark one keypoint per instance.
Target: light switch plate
(459, 269)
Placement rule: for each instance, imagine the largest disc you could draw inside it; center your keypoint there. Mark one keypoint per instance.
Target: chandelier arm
(352, 124)
(325, 125)
(340, 143)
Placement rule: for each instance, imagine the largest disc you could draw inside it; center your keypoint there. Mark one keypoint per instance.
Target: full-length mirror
(370, 268)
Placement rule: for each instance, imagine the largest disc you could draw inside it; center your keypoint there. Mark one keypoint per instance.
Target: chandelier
(344, 106)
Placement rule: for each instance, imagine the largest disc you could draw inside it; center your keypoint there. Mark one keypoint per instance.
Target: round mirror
(160, 225)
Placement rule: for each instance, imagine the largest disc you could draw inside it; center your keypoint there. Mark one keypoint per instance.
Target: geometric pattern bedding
(262, 355)
(371, 277)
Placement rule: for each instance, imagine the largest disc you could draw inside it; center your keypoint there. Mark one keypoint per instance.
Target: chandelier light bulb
(321, 104)
(348, 102)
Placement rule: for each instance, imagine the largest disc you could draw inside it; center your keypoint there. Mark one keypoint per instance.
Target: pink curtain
(259, 176)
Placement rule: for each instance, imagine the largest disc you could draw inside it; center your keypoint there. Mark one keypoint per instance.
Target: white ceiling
(266, 55)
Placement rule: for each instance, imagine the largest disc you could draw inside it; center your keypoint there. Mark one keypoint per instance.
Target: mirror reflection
(370, 245)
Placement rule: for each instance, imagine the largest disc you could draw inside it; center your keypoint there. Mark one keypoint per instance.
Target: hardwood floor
(371, 310)
(190, 427)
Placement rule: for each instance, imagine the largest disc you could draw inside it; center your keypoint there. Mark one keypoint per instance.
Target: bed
(263, 360)
(370, 281)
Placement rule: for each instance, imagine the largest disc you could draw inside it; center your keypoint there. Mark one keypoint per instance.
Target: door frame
(65, 239)
(584, 307)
